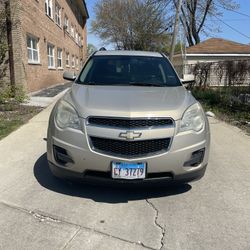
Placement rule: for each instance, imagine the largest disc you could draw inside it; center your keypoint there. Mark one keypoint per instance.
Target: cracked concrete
(40, 212)
(44, 218)
(162, 228)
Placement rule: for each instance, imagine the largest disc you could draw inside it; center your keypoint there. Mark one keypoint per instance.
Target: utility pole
(176, 27)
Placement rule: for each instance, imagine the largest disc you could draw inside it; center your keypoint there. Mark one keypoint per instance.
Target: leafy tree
(91, 48)
(3, 40)
(131, 24)
(196, 16)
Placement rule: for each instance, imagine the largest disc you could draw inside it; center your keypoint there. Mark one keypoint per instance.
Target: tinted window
(129, 70)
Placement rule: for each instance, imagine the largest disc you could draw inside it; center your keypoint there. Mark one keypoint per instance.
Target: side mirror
(188, 80)
(187, 83)
(69, 76)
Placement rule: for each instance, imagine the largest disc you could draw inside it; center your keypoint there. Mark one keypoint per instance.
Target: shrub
(210, 96)
(6, 94)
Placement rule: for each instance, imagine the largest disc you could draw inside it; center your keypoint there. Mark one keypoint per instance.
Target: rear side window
(111, 70)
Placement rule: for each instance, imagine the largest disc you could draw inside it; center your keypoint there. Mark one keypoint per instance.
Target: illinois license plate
(130, 171)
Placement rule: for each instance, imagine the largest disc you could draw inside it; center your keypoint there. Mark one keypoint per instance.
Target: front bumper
(107, 180)
(168, 167)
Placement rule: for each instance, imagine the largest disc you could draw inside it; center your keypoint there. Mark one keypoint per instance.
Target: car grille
(129, 149)
(130, 123)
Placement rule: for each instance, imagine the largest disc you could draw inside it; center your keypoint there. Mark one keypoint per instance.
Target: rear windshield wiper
(147, 84)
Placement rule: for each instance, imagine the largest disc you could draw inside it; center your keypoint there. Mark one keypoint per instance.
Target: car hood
(129, 101)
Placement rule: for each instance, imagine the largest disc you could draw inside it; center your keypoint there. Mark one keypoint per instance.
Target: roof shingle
(219, 46)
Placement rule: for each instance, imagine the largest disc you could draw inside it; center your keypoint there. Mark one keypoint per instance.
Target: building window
(59, 58)
(77, 63)
(76, 39)
(72, 31)
(79, 40)
(58, 17)
(67, 59)
(33, 51)
(66, 23)
(73, 62)
(51, 56)
(48, 7)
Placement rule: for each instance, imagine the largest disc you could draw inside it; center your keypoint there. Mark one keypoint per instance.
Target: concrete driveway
(40, 212)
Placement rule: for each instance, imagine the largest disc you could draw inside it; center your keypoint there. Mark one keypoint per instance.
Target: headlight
(193, 119)
(66, 116)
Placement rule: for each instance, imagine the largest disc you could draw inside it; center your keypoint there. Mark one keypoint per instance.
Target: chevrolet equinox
(128, 119)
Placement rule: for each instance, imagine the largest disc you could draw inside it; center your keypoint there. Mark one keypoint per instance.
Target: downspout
(10, 47)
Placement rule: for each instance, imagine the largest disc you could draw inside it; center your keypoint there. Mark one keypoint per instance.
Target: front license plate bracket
(129, 171)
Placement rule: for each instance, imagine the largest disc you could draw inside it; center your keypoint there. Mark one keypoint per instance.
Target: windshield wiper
(105, 84)
(146, 84)
(123, 84)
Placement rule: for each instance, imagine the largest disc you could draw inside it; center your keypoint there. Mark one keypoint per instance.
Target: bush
(210, 96)
(226, 98)
(7, 95)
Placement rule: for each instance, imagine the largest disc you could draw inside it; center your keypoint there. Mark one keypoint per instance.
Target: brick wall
(31, 20)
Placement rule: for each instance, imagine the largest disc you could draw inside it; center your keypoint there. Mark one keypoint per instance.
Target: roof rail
(94, 53)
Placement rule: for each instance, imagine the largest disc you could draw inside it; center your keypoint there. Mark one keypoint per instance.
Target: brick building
(48, 38)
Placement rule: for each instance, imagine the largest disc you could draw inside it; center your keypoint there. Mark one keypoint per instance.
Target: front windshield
(129, 70)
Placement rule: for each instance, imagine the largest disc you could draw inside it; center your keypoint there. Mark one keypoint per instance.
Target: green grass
(223, 103)
(6, 127)
(12, 116)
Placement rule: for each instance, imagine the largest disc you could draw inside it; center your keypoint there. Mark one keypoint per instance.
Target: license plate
(130, 171)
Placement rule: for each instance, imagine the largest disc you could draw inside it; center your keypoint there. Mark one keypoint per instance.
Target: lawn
(223, 102)
(12, 116)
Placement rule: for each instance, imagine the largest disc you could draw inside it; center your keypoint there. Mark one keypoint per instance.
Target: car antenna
(102, 49)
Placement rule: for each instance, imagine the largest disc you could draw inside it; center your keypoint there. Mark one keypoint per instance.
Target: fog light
(61, 155)
(196, 158)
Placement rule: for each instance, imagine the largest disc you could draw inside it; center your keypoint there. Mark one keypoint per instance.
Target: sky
(238, 22)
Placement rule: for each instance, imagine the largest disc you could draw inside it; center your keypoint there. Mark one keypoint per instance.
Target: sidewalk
(47, 96)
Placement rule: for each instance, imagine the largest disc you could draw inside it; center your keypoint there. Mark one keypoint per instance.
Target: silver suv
(128, 118)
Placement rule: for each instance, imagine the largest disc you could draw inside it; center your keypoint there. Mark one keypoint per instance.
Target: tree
(91, 48)
(131, 24)
(196, 15)
(3, 40)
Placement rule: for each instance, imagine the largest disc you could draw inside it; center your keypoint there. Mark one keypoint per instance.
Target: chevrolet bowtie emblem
(130, 135)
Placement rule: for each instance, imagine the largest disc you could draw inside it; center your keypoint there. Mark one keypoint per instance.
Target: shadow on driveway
(100, 193)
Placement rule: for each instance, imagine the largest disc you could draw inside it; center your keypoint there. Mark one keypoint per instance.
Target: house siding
(185, 67)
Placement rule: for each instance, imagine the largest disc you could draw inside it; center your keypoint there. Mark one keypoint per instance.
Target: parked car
(128, 118)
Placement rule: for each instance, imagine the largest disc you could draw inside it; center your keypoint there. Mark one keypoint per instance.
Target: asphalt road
(40, 212)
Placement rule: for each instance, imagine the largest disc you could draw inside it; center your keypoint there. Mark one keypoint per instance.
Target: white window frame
(59, 58)
(33, 40)
(73, 64)
(77, 63)
(67, 60)
(76, 38)
(49, 8)
(79, 40)
(58, 14)
(66, 23)
(51, 48)
(72, 31)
